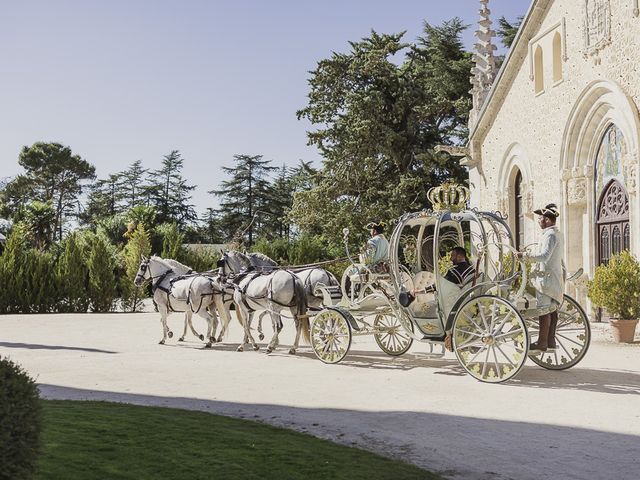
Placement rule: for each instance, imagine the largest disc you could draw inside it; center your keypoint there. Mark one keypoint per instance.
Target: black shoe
(534, 347)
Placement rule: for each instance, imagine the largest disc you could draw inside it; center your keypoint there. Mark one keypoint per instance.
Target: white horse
(193, 294)
(276, 291)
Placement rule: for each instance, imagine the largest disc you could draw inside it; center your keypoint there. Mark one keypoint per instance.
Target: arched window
(519, 210)
(613, 221)
(557, 57)
(538, 68)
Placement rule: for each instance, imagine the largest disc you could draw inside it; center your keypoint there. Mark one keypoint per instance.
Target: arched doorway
(612, 224)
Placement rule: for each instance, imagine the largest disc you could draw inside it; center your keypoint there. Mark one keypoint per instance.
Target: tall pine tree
(243, 195)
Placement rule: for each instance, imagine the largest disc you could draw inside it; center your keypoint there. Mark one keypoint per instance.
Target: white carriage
(490, 319)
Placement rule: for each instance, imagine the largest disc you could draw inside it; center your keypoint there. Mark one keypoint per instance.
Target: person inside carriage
(459, 273)
(549, 276)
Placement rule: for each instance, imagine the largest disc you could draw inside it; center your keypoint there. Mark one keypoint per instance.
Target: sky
(123, 80)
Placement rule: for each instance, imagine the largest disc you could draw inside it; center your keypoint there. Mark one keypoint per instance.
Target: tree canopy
(379, 111)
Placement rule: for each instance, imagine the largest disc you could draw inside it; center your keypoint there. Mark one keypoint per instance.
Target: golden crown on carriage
(449, 196)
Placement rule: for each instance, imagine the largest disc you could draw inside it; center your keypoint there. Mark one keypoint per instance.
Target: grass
(98, 440)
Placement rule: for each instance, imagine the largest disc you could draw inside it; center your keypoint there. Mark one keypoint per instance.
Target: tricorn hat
(550, 210)
(377, 225)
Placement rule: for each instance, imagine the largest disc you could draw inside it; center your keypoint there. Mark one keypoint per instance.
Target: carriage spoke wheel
(390, 335)
(331, 335)
(490, 339)
(573, 335)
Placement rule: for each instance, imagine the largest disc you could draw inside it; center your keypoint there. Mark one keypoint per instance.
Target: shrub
(616, 286)
(20, 422)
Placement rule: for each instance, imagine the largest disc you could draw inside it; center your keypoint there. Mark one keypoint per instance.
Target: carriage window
(426, 250)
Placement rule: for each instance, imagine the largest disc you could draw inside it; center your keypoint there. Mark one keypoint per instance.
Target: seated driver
(377, 249)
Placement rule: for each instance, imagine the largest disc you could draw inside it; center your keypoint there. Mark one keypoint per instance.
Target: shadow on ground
(35, 346)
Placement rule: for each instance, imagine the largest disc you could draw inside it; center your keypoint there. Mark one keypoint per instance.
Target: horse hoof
(269, 349)
(292, 351)
(240, 349)
(256, 348)
(161, 342)
(219, 339)
(208, 345)
(261, 336)
(201, 337)
(212, 340)
(170, 334)
(181, 339)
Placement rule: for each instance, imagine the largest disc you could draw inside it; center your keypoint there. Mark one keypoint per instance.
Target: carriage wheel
(573, 336)
(331, 335)
(391, 336)
(490, 339)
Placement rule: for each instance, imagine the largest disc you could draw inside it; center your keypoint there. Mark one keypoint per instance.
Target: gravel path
(583, 423)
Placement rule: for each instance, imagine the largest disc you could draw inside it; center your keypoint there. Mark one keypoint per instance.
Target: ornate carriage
(488, 321)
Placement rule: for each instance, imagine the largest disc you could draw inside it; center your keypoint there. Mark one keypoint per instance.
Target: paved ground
(579, 424)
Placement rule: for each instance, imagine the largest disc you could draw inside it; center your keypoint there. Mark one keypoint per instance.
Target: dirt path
(583, 423)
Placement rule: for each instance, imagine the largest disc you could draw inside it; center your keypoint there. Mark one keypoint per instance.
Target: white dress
(548, 275)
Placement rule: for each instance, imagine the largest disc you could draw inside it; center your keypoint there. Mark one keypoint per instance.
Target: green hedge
(20, 422)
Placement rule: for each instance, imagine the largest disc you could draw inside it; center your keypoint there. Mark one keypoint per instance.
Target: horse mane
(173, 264)
(264, 260)
(241, 257)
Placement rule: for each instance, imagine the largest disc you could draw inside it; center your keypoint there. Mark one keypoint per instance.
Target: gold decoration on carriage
(449, 196)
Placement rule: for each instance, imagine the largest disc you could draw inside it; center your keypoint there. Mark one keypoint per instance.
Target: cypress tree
(12, 271)
(172, 242)
(139, 244)
(102, 279)
(73, 277)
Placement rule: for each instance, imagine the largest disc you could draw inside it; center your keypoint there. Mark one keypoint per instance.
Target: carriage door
(612, 222)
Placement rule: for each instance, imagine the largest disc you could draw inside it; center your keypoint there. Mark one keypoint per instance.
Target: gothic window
(519, 213)
(538, 68)
(613, 221)
(557, 57)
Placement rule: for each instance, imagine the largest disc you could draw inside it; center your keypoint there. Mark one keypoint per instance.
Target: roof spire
(484, 70)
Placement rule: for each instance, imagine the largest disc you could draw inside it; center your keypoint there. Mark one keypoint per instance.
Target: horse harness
(252, 274)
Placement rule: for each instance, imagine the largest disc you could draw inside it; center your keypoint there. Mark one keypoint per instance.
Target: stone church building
(559, 123)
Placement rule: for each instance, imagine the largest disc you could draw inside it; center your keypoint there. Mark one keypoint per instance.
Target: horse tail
(300, 296)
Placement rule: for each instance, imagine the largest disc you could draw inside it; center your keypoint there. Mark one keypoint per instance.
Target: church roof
(512, 62)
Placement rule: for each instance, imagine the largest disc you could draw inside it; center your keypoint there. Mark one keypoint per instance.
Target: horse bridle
(144, 267)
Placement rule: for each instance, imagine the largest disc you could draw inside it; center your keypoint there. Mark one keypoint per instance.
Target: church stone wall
(534, 126)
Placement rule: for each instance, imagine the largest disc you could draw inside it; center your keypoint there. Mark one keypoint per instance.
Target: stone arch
(515, 162)
(601, 104)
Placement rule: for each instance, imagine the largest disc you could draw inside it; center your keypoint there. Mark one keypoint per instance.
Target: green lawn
(97, 440)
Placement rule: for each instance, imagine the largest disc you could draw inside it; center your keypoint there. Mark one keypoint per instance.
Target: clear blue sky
(121, 80)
